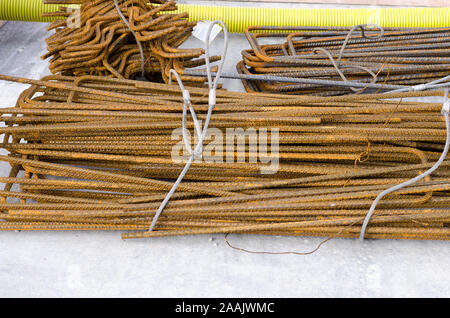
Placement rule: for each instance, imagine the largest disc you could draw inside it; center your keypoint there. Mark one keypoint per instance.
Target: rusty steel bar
(95, 153)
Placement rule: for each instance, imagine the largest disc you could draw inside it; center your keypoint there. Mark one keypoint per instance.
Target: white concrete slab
(76, 264)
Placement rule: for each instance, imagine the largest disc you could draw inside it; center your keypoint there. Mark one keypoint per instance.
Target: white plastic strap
(419, 87)
(200, 31)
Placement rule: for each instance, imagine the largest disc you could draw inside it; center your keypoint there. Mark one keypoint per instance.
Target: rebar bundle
(96, 153)
(364, 54)
(109, 39)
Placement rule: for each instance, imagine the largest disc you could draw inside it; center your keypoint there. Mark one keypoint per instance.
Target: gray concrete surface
(92, 264)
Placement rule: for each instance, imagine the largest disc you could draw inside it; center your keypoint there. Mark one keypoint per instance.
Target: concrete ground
(93, 264)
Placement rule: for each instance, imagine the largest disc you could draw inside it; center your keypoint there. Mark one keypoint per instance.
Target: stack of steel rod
(96, 153)
(98, 42)
(335, 156)
(396, 56)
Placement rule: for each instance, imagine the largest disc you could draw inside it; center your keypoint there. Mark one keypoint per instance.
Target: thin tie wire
(139, 44)
(363, 34)
(445, 112)
(341, 74)
(337, 65)
(198, 149)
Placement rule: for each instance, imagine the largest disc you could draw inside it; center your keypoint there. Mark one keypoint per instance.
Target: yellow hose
(27, 10)
(238, 18)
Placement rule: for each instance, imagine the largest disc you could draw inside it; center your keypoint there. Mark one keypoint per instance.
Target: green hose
(238, 18)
